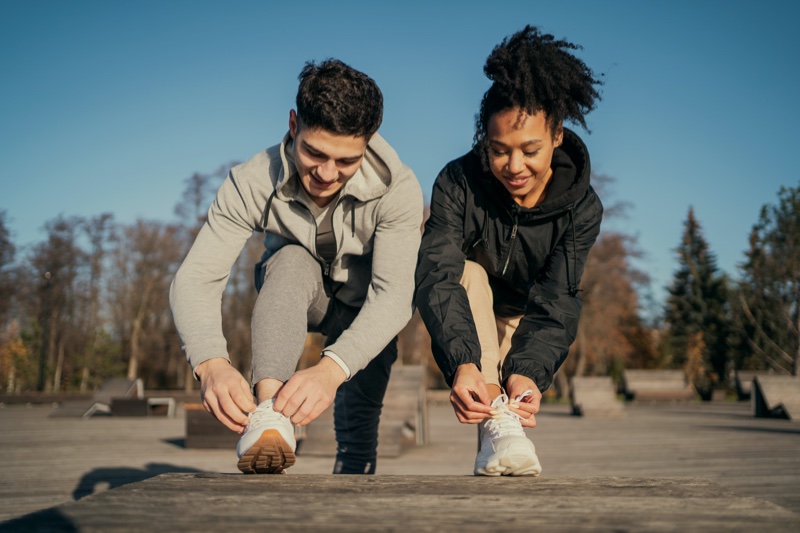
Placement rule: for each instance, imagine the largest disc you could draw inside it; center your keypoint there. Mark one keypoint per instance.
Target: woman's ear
(558, 138)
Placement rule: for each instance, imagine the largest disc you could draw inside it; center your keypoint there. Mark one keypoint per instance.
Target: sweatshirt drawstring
(353, 220)
(572, 284)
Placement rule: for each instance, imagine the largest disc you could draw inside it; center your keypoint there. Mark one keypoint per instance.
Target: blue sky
(110, 105)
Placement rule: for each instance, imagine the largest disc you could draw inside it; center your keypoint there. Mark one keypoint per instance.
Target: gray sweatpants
(292, 301)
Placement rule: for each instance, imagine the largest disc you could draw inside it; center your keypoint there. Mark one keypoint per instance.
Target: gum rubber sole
(271, 454)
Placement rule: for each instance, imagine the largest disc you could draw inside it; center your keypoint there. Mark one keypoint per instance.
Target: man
(341, 216)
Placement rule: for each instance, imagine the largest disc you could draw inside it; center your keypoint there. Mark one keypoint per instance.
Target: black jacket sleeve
(542, 340)
(440, 298)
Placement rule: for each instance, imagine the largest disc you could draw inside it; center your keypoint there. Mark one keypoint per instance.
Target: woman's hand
(527, 407)
(469, 396)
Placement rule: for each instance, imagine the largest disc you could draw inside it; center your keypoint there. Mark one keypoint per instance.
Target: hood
(372, 180)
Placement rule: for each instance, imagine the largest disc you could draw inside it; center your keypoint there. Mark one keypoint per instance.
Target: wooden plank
(48, 461)
(233, 502)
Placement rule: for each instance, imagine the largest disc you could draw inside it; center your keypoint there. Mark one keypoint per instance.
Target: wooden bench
(595, 397)
(143, 406)
(205, 431)
(776, 396)
(404, 418)
(744, 382)
(114, 388)
(657, 385)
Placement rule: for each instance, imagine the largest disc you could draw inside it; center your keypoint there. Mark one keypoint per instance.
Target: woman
(511, 224)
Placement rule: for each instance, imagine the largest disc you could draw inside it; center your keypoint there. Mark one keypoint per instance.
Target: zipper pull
(326, 269)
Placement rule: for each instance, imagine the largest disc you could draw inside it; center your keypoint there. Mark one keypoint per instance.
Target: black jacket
(534, 258)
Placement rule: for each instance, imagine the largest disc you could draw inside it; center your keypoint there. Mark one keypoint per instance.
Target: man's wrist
(338, 360)
(206, 366)
(330, 365)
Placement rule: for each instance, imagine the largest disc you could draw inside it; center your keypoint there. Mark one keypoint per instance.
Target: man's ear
(293, 123)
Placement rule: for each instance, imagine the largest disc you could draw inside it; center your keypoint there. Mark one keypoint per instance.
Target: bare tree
(57, 264)
(770, 286)
(145, 257)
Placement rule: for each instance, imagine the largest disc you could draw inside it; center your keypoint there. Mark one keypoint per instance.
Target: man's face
(324, 161)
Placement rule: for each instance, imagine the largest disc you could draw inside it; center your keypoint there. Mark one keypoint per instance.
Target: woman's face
(520, 153)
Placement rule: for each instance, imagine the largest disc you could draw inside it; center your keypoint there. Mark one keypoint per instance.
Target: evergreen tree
(697, 311)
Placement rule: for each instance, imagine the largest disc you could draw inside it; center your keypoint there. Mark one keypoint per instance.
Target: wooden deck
(713, 464)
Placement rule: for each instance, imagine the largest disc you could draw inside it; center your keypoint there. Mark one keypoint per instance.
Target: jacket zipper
(326, 268)
(511, 243)
(326, 265)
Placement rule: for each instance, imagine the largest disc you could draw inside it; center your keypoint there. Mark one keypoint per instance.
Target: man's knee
(292, 256)
(292, 263)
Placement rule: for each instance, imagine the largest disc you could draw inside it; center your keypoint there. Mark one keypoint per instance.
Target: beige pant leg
(506, 326)
(476, 283)
(494, 333)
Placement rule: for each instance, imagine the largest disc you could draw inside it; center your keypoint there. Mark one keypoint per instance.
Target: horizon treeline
(90, 302)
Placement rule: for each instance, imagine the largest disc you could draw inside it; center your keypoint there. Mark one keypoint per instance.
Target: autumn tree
(611, 333)
(7, 253)
(769, 293)
(697, 312)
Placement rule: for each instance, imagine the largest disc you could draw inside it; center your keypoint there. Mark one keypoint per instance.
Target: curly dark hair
(337, 98)
(535, 72)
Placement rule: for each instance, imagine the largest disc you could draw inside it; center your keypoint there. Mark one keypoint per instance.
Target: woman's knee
(474, 274)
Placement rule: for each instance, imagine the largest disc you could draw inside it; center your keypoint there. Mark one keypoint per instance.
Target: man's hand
(309, 392)
(225, 393)
(469, 396)
(517, 385)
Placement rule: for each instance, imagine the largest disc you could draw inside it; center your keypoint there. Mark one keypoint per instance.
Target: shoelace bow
(506, 422)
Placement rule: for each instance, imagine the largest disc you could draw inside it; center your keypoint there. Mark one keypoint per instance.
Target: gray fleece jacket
(376, 223)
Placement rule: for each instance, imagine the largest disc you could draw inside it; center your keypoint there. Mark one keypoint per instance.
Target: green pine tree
(697, 310)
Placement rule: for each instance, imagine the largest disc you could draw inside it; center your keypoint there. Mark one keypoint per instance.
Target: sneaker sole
(271, 454)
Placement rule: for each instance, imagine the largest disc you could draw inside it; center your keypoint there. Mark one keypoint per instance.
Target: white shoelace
(263, 414)
(505, 423)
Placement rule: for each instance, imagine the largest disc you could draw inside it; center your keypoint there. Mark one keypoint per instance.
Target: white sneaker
(504, 448)
(267, 445)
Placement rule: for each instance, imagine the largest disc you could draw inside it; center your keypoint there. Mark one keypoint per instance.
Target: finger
(467, 400)
(284, 395)
(312, 412)
(302, 411)
(243, 397)
(231, 424)
(231, 410)
(483, 393)
(213, 407)
(529, 422)
(465, 415)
